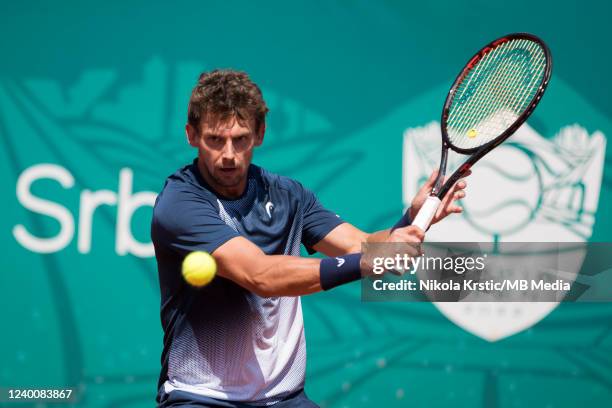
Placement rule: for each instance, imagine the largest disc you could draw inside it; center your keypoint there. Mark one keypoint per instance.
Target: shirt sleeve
(186, 222)
(318, 221)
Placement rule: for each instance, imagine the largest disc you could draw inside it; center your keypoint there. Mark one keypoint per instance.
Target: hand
(403, 243)
(449, 203)
(409, 234)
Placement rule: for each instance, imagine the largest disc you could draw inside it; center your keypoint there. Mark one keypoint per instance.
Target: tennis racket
(490, 99)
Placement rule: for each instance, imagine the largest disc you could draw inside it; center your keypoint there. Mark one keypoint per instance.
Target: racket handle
(426, 213)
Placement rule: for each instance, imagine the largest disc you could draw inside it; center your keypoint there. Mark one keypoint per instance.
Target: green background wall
(100, 87)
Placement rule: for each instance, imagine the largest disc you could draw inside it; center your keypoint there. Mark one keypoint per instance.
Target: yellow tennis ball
(199, 268)
(472, 133)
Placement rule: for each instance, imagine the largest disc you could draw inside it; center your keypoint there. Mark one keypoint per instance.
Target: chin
(229, 182)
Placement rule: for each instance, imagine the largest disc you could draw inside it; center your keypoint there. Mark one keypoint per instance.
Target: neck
(231, 192)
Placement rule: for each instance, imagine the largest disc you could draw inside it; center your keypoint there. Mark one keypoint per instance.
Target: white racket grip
(426, 213)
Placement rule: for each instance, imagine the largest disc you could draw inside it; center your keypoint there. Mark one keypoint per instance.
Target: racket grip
(426, 213)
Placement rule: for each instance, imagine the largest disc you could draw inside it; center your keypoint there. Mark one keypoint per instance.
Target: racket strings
(524, 93)
(501, 107)
(467, 109)
(493, 88)
(500, 90)
(492, 123)
(495, 92)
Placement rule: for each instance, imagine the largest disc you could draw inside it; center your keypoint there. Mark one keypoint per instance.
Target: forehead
(227, 128)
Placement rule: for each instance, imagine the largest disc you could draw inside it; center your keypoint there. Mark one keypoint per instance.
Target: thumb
(432, 178)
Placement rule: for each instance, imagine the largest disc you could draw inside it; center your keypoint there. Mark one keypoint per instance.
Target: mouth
(228, 170)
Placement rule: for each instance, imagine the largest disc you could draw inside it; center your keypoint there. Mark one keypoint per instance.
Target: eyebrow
(209, 134)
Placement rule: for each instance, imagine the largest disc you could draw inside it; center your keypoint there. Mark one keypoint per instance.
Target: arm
(346, 239)
(267, 275)
(184, 222)
(283, 275)
(243, 262)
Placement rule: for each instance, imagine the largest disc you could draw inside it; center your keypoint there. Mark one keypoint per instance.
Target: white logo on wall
(529, 189)
(126, 201)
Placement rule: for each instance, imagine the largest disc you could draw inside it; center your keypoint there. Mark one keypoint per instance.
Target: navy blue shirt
(218, 339)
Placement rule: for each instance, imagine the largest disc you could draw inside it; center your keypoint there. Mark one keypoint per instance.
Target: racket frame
(476, 153)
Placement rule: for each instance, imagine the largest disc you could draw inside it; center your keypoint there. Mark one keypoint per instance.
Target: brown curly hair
(224, 94)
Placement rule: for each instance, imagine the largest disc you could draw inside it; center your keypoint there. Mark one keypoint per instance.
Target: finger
(411, 234)
(413, 240)
(459, 195)
(432, 177)
(450, 198)
(428, 185)
(450, 201)
(461, 184)
(410, 238)
(455, 209)
(417, 232)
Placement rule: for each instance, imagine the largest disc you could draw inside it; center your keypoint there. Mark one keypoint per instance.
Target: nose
(228, 150)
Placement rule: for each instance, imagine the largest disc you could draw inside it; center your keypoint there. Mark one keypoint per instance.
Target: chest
(272, 219)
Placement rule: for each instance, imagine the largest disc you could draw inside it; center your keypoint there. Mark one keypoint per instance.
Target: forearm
(242, 262)
(381, 236)
(378, 236)
(282, 275)
(346, 239)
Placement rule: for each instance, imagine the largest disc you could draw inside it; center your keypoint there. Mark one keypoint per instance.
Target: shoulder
(276, 181)
(182, 198)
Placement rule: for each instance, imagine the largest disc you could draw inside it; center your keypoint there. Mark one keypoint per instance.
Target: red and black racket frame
(477, 153)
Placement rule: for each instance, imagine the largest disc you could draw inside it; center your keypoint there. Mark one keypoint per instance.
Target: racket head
(495, 93)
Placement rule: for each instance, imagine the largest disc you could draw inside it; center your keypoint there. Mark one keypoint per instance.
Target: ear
(192, 135)
(260, 134)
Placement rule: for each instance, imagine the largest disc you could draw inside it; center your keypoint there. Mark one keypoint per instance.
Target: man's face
(224, 154)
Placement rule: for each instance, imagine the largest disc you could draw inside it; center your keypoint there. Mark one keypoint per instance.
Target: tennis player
(239, 342)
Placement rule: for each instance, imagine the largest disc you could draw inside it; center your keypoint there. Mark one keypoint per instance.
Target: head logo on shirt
(269, 208)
